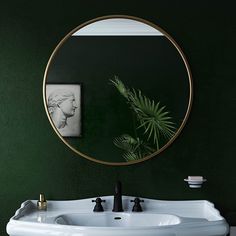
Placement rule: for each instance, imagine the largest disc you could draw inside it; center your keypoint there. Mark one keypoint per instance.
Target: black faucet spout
(117, 205)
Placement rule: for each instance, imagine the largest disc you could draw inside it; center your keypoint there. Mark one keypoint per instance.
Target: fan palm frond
(120, 87)
(126, 142)
(134, 149)
(130, 156)
(153, 118)
(154, 121)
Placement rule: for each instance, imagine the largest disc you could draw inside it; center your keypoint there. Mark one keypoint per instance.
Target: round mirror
(117, 90)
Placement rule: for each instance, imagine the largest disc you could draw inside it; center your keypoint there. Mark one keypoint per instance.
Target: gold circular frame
(189, 79)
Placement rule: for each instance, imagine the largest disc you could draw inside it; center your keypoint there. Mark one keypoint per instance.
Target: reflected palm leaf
(134, 149)
(152, 117)
(154, 121)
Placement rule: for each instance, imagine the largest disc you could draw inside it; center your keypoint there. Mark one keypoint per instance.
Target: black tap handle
(137, 200)
(98, 200)
(98, 207)
(137, 207)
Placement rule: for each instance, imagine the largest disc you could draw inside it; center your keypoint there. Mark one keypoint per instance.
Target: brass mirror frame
(189, 79)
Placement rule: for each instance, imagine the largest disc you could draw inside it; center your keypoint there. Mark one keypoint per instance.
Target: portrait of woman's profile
(64, 107)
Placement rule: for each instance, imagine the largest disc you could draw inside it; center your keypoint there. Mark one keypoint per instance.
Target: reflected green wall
(33, 159)
(150, 64)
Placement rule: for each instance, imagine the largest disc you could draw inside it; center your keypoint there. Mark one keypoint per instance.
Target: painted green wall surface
(34, 160)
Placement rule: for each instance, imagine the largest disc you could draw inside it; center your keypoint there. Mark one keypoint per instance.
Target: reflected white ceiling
(117, 27)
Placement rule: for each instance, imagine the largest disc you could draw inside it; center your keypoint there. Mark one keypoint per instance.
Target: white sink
(117, 219)
(159, 218)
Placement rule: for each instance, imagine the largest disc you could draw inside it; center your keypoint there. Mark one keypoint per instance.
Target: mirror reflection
(117, 90)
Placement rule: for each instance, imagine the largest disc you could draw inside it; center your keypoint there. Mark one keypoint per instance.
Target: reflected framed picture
(64, 107)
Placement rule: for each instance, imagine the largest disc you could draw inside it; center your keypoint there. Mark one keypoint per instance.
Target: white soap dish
(195, 181)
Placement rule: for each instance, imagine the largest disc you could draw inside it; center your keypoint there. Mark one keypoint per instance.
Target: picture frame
(64, 108)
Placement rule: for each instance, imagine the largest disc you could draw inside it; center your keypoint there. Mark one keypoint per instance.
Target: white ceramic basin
(117, 219)
(159, 218)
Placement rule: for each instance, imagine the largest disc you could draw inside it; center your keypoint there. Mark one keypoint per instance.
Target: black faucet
(117, 205)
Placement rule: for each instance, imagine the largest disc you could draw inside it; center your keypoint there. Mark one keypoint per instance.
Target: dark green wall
(34, 160)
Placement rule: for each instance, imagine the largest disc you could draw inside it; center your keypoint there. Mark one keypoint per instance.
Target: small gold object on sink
(42, 203)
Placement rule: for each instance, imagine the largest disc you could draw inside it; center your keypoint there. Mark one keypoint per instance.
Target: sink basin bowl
(159, 218)
(118, 220)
